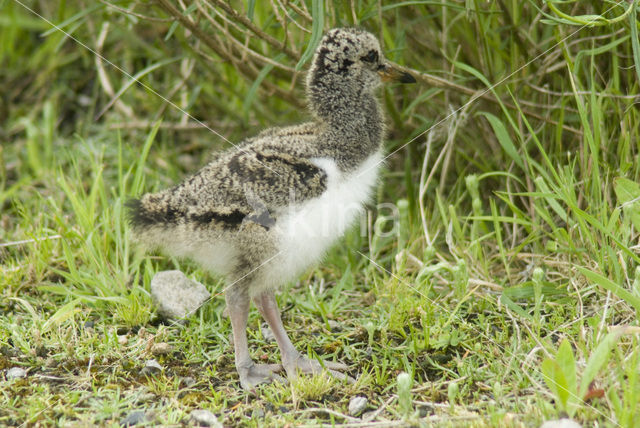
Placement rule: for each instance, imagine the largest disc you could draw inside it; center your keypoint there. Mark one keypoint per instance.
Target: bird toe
(302, 364)
(260, 373)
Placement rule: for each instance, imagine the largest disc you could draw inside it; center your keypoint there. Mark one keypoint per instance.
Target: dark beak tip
(407, 78)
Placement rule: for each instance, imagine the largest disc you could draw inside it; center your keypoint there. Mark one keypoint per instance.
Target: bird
(264, 212)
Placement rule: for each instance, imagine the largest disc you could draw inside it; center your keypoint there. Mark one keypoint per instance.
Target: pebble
(146, 397)
(205, 418)
(151, 367)
(267, 334)
(133, 418)
(16, 373)
(357, 405)
(424, 411)
(367, 416)
(561, 423)
(9, 351)
(188, 381)
(175, 295)
(161, 348)
(122, 340)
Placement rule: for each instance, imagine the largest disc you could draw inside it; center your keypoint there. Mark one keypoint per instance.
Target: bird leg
(292, 360)
(251, 374)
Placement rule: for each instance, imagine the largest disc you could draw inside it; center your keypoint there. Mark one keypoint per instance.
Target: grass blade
(635, 44)
(317, 12)
(616, 289)
(504, 139)
(597, 360)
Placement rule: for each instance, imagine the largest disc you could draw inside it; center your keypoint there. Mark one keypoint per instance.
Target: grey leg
(251, 374)
(292, 360)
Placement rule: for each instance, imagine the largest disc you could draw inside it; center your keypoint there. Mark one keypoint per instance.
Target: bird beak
(389, 74)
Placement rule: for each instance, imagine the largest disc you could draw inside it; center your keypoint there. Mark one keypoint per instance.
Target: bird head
(351, 59)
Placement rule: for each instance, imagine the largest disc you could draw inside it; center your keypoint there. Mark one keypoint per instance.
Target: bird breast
(306, 230)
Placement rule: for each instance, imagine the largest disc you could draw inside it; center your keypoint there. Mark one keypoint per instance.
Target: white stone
(357, 405)
(151, 367)
(267, 334)
(16, 373)
(205, 418)
(175, 295)
(153, 364)
(161, 348)
(561, 423)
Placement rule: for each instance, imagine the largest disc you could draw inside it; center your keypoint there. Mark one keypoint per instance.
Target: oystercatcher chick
(262, 213)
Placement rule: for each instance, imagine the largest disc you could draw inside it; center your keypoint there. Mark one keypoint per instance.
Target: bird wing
(252, 184)
(272, 180)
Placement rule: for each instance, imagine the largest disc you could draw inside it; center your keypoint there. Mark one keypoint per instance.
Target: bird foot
(255, 374)
(302, 364)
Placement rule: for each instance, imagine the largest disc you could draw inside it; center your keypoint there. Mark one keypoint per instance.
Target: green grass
(509, 290)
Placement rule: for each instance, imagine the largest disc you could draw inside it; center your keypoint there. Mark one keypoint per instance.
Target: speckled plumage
(256, 213)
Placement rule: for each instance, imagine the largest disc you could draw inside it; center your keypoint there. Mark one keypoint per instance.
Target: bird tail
(139, 215)
(157, 224)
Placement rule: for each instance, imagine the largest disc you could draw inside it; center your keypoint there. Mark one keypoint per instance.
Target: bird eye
(372, 56)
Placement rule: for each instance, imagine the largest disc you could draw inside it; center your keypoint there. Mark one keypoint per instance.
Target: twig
(137, 15)
(144, 124)
(281, 20)
(459, 119)
(29, 241)
(254, 29)
(375, 414)
(216, 46)
(102, 74)
(301, 27)
(475, 94)
(571, 94)
(491, 285)
(242, 47)
(329, 411)
(423, 188)
(304, 13)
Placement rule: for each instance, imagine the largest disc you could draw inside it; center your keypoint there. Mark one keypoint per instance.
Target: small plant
(405, 382)
(312, 388)
(538, 276)
(561, 378)
(453, 390)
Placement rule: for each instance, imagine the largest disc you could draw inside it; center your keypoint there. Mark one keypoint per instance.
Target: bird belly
(216, 256)
(306, 230)
(211, 250)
